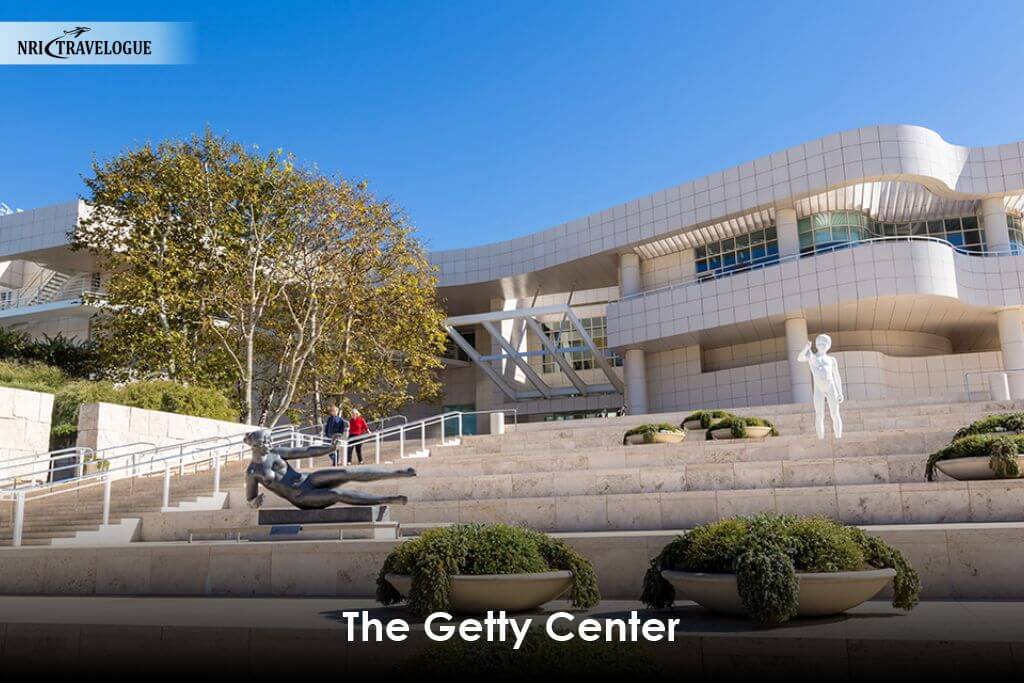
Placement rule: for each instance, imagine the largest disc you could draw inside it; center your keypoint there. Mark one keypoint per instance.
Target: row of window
(820, 232)
(827, 231)
(742, 251)
(565, 336)
(837, 229)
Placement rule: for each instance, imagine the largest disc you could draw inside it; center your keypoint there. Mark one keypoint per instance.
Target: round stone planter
(970, 469)
(752, 433)
(694, 425)
(821, 594)
(660, 437)
(509, 592)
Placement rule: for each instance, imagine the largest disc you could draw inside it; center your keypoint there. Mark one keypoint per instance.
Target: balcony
(50, 290)
(877, 281)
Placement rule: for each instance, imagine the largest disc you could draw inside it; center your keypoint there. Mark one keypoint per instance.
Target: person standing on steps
(357, 428)
(335, 428)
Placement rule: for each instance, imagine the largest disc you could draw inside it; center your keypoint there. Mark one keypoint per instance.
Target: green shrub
(433, 558)
(649, 430)
(738, 426)
(13, 344)
(163, 395)
(31, 376)
(1006, 422)
(69, 394)
(77, 359)
(74, 358)
(706, 417)
(766, 552)
(1001, 450)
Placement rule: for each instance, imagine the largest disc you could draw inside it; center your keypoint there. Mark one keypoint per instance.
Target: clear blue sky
(489, 120)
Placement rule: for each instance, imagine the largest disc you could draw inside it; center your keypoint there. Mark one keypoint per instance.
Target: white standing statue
(827, 384)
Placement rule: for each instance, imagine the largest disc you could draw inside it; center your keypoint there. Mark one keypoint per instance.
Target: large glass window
(964, 232)
(1016, 228)
(743, 251)
(836, 229)
(565, 336)
(826, 231)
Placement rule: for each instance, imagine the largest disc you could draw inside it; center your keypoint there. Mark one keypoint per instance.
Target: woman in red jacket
(357, 430)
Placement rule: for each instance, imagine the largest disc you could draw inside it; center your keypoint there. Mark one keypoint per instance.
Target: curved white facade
(733, 200)
(933, 308)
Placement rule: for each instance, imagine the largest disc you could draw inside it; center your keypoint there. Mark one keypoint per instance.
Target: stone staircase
(62, 516)
(576, 476)
(49, 290)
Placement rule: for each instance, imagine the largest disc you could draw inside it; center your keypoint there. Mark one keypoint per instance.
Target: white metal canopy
(530, 318)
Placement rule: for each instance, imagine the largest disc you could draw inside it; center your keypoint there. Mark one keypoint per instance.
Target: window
(565, 336)
(743, 251)
(837, 229)
(454, 351)
(831, 230)
(1016, 234)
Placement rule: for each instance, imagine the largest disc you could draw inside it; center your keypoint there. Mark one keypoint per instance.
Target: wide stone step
(582, 441)
(568, 442)
(922, 503)
(853, 411)
(632, 479)
(691, 451)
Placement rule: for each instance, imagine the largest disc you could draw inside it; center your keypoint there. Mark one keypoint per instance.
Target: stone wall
(105, 425)
(676, 382)
(973, 561)
(24, 424)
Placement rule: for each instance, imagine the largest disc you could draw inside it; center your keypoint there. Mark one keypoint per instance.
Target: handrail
(23, 297)
(384, 420)
(212, 451)
(983, 373)
(721, 273)
(515, 413)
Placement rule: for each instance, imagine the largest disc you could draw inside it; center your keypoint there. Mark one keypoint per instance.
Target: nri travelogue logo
(65, 46)
(95, 43)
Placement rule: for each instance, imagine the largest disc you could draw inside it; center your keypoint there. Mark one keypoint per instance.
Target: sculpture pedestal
(331, 515)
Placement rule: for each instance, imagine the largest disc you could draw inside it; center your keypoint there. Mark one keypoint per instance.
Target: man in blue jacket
(335, 426)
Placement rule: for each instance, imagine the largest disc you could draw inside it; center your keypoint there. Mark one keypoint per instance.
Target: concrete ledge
(955, 561)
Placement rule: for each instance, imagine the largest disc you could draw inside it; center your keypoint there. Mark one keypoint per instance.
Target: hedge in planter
(706, 417)
(433, 558)
(766, 551)
(738, 426)
(1001, 450)
(649, 430)
(1006, 422)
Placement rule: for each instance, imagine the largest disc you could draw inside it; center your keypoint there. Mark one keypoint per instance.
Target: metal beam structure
(513, 354)
(541, 389)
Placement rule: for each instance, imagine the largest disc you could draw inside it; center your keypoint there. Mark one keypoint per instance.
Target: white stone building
(42, 281)
(904, 247)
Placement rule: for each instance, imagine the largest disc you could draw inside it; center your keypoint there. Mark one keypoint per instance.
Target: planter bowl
(752, 433)
(509, 592)
(694, 425)
(821, 594)
(659, 437)
(970, 469)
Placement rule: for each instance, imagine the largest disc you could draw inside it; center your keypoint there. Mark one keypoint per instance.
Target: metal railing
(383, 421)
(21, 298)
(166, 461)
(989, 389)
(792, 258)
